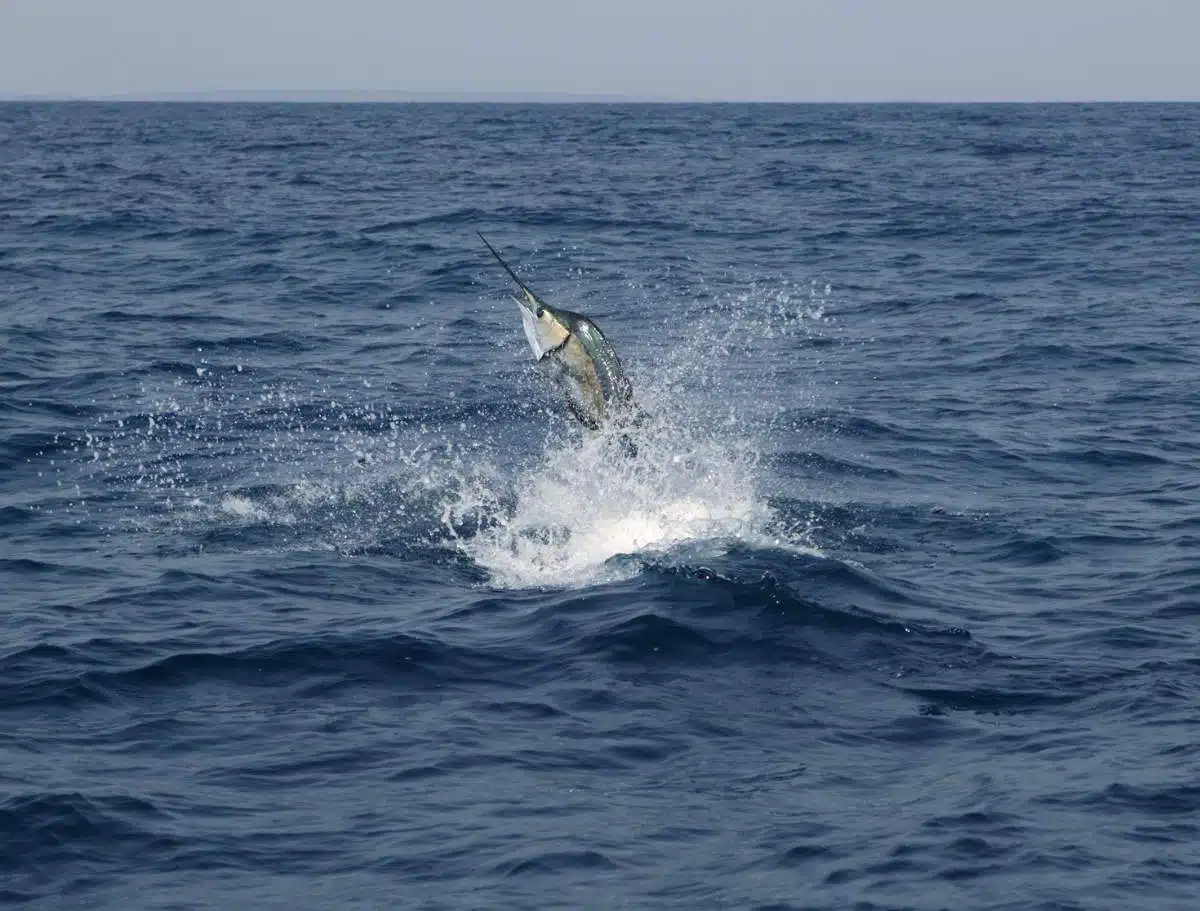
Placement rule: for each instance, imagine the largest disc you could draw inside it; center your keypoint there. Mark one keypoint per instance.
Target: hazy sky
(822, 50)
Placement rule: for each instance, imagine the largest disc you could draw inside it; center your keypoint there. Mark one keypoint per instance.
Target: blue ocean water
(313, 597)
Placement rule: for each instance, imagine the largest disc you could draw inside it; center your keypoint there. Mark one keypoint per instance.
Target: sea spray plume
(703, 484)
(584, 364)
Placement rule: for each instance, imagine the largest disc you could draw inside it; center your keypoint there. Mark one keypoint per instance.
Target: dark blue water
(312, 597)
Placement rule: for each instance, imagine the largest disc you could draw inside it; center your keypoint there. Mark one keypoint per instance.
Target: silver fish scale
(614, 383)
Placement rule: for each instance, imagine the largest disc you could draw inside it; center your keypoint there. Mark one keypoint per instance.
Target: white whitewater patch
(584, 505)
(243, 508)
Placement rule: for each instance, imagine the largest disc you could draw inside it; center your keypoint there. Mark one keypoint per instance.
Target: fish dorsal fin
(530, 296)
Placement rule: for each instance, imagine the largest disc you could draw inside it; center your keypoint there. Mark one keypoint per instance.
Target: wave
(44, 831)
(83, 674)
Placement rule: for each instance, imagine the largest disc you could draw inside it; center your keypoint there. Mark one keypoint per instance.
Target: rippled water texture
(314, 597)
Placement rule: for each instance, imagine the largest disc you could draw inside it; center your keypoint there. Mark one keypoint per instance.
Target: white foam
(584, 505)
(243, 508)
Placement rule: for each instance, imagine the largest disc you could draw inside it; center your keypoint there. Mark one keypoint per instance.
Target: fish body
(571, 347)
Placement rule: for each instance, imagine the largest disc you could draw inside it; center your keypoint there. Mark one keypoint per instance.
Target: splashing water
(324, 469)
(585, 504)
(583, 509)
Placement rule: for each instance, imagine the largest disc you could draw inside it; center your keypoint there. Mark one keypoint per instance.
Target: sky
(733, 50)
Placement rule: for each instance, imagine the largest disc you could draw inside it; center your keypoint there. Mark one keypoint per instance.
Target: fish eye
(540, 311)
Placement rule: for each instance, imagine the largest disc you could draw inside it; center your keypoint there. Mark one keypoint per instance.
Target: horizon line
(385, 96)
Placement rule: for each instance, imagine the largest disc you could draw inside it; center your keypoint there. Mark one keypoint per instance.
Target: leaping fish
(582, 360)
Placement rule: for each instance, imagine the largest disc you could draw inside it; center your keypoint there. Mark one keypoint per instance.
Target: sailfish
(574, 350)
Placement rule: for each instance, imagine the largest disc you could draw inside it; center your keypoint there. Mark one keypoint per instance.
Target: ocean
(314, 596)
